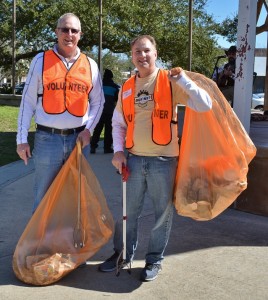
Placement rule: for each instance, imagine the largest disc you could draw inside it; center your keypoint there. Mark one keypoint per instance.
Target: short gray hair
(68, 15)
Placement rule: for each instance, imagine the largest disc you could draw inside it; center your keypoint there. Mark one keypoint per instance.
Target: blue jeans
(50, 153)
(154, 176)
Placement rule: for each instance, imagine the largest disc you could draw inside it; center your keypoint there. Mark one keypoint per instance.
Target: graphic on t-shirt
(142, 98)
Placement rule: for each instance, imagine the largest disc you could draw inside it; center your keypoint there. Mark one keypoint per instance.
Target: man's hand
(24, 152)
(175, 73)
(84, 137)
(118, 160)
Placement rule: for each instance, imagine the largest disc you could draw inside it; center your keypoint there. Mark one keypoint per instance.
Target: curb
(14, 171)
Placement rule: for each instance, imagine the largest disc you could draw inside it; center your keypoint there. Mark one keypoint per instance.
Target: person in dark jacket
(224, 76)
(111, 90)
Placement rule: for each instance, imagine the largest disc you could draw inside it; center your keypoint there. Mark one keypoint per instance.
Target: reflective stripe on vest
(161, 115)
(66, 89)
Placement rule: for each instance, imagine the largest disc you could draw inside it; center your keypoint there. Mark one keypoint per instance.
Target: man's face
(144, 56)
(231, 56)
(68, 33)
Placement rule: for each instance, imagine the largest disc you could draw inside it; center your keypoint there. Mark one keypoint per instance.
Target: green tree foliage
(5, 37)
(118, 63)
(166, 20)
(228, 28)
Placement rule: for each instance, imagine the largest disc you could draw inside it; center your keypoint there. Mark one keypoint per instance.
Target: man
(144, 121)
(64, 93)
(110, 89)
(224, 76)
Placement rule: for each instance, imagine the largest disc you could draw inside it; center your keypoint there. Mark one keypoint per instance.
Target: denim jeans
(50, 153)
(153, 176)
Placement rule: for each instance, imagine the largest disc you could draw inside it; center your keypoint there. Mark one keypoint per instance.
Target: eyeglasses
(67, 30)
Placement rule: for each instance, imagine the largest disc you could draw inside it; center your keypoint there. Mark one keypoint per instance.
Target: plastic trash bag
(71, 223)
(214, 157)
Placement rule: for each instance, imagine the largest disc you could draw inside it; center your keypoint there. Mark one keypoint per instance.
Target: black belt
(60, 131)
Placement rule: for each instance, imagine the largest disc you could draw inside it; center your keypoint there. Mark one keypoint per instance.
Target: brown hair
(145, 36)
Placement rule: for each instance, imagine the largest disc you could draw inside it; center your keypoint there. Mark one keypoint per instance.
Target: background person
(144, 122)
(66, 109)
(224, 76)
(110, 89)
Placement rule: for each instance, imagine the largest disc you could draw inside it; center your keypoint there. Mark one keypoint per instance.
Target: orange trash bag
(71, 224)
(214, 157)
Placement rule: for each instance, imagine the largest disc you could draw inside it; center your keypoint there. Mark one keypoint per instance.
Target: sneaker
(112, 263)
(150, 272)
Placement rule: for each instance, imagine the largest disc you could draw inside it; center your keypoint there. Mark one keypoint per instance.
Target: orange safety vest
(161, 115)
(66, 89)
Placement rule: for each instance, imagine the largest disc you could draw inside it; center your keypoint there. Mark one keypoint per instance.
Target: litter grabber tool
(79, 234)
(121, 261)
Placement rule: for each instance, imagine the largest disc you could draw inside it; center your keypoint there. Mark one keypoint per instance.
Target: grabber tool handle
(125, 173)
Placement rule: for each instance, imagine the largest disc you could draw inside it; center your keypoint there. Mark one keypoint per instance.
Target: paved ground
(226, 258)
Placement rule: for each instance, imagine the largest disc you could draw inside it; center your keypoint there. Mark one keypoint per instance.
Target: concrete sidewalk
(226, 258)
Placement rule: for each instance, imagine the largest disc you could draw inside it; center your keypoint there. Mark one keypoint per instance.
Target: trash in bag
(70, 225)
(214, 156)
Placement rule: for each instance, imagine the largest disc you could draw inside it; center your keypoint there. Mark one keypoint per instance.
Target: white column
(246, 37)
